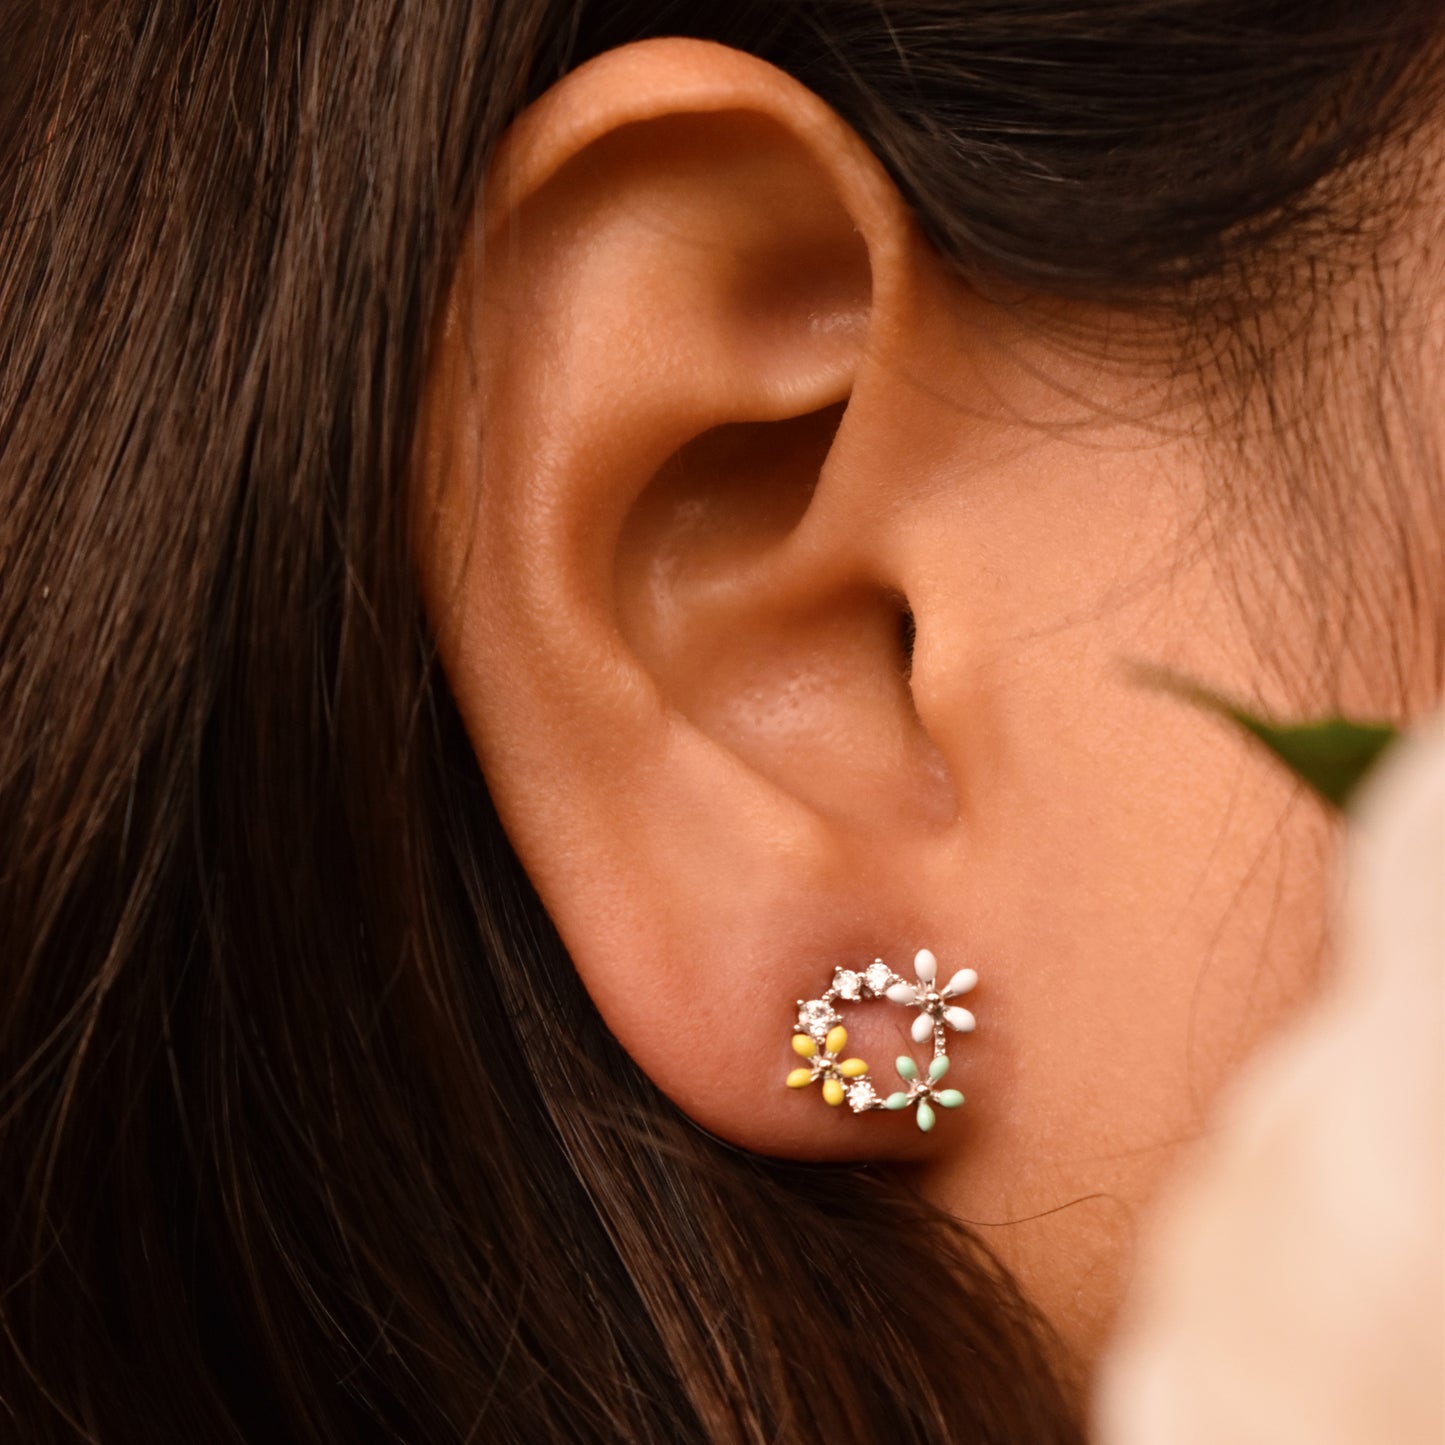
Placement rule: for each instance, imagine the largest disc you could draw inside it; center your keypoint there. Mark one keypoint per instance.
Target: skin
(667, 583)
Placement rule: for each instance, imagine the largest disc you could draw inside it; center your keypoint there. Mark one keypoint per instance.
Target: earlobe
(654, 550)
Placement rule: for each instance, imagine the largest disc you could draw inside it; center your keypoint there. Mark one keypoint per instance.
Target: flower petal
(803, 1044)
(903, 993)
(960, 1019)
(925, 965)
(896, 1101)
(937, 1069)
(837, 1039)
(833, 1091)
(926, 1117)
(922, 1029)
(961, 982)
(950, 1098)
(907, 1069)
(852, 1068)
(800, 1078)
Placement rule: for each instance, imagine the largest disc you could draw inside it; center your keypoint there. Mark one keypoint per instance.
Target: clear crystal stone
(816, 1017)
(877, 976)
(848, 983)
(861, 1095)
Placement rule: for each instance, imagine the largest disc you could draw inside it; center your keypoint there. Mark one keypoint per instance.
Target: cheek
(1150, 951)
(1149, 902)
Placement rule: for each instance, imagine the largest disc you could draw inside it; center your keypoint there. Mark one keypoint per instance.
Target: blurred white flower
(1293, 1291)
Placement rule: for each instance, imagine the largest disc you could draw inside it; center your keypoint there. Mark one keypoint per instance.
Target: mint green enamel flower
(921, 1092)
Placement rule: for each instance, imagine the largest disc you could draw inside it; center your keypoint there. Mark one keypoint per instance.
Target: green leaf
(1332, 755)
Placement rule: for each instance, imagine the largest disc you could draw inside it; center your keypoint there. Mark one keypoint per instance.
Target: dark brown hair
(307, 1131)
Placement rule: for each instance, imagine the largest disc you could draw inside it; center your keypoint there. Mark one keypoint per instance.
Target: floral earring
(821, 1037)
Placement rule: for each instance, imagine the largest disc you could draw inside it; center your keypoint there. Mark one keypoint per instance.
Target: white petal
(960, 1019)
(961, 982)
(923, 1028)
(903, 993)
(925, 965)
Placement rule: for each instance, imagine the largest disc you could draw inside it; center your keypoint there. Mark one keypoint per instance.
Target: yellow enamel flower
(824, 1063)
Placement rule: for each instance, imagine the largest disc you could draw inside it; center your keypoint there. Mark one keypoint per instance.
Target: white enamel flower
(932, 1001)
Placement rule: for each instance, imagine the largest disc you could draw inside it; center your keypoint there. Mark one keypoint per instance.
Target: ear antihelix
(822, 1038)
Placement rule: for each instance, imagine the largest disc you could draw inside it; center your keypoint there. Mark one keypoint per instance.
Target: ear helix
(821, 1037)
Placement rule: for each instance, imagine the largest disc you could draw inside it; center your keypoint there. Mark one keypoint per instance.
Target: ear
(660, 471)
